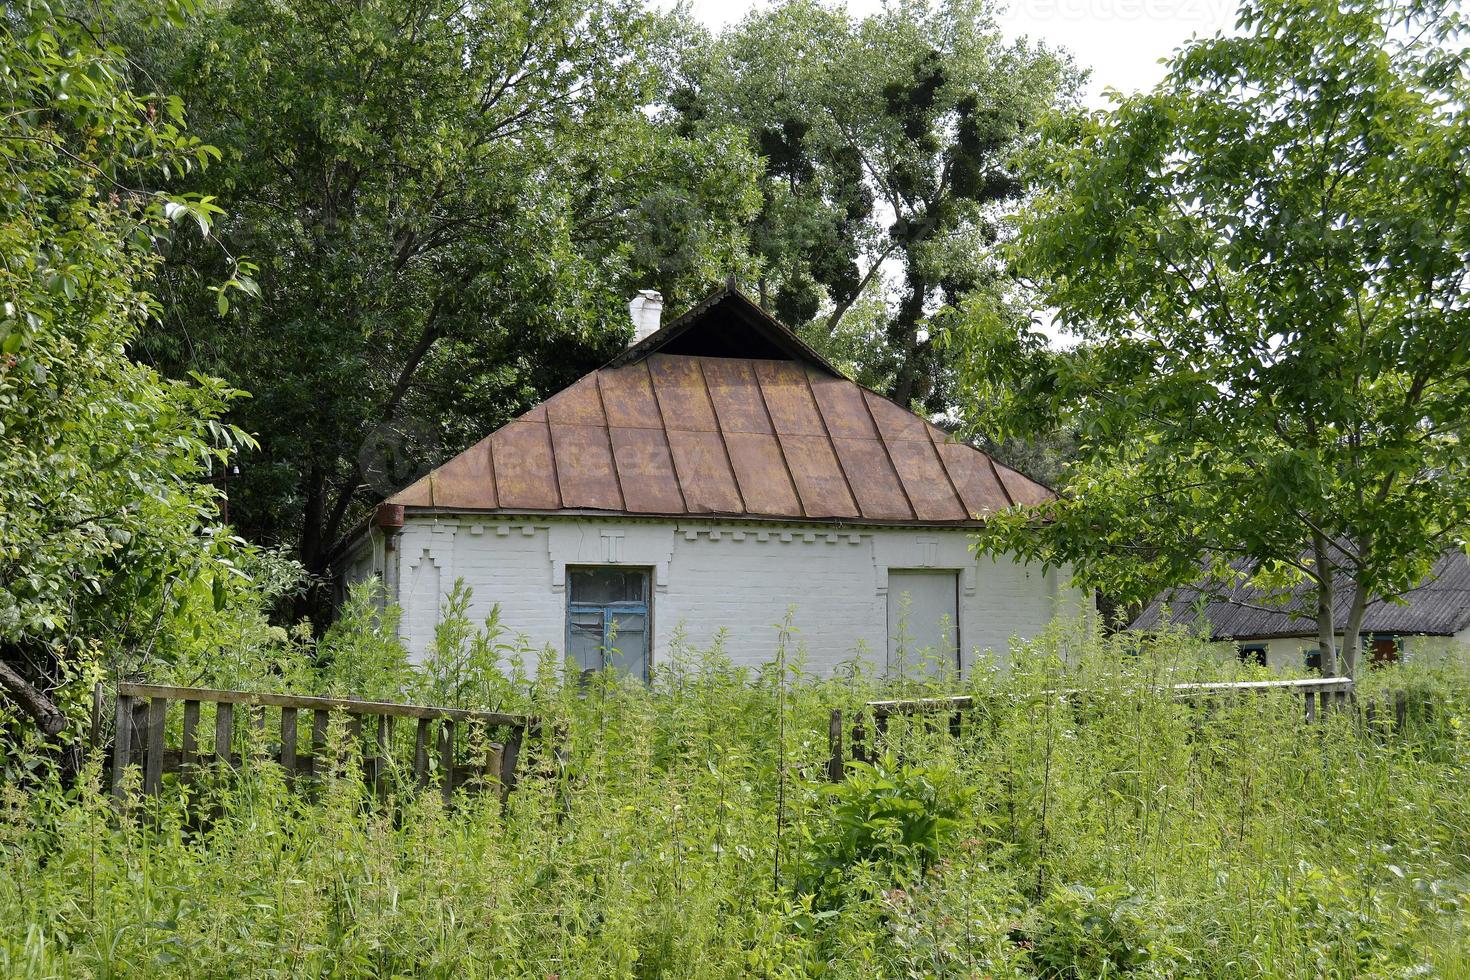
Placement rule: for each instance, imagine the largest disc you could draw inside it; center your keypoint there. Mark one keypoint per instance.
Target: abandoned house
(714, 474)
(1281, 630)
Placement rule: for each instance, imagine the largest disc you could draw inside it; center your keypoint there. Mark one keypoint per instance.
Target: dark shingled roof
(725, 411)
(1439, 606)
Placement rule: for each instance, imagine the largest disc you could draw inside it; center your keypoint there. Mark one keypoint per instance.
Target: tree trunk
(1352, 632)
(313, 548)
(312, 517)
(40, 708)
(903, 337)
(1326, 628)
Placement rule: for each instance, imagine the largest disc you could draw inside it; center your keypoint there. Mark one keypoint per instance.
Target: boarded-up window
(923, 622)
(607, 619)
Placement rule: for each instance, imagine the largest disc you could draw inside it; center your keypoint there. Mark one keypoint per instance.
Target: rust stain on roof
(698, 434)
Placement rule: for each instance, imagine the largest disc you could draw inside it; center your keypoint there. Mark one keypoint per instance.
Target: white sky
(1121, 41)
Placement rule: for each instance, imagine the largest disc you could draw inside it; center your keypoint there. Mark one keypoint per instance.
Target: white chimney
(646, 309)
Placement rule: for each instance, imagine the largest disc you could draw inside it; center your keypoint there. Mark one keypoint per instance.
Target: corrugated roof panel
(880, 495)
(524, 466)
(760, 470)
(704, 472)
(1023, 491)
(627, 398)
(842, 407)
(1438, 606)
(980, 490)
(925, 481)
(467, 480)
(818, 478)
(646, 471)
(682, 398)
(725, 428)
(736, 395)
(896, 423)
(581, 404)
(419, 493)
(787, 395)
(584, 467)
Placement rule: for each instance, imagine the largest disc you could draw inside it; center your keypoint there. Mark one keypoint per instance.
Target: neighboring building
(1281, 631)
(714, 474)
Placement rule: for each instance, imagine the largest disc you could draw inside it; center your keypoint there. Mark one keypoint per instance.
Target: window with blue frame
(607, 619)
(1253, 653)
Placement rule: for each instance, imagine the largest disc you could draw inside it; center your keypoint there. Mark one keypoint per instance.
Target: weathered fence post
(122, 743)
(834, 746)
(288, 743)
(153, 750)
(446, 757)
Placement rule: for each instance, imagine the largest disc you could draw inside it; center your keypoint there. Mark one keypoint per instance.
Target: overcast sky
(1121, 41)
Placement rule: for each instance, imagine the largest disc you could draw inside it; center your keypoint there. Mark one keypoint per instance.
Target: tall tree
(449, 205)
(107, 517)
(887, 143)
(1266, 255)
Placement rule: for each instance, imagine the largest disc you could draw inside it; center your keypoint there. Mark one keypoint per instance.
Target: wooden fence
(142, 713)
(1318, 697)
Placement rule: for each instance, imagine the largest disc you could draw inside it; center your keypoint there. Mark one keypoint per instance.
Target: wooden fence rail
(142, 713)
(1319, 696)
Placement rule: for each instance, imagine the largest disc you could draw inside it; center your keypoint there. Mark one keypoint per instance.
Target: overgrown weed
(1086, 822)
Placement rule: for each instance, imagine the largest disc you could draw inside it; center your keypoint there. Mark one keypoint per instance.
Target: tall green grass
(1113, 830)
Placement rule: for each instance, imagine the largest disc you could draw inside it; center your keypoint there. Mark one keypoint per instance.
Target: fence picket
(142, 712)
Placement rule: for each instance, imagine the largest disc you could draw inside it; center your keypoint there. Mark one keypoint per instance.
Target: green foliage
(360, 655)
(887, 143)
(1092, 932)
(449, 205)
(109, 544)
(1263, 258)
(1084, 836)
(469, 665)
(894, 817)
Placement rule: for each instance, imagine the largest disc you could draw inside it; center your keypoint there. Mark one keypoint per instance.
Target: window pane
(586, 640)
(597, 586)
(628, 642)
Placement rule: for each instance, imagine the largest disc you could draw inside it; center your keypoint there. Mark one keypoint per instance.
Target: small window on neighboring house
(607, 619)
(1384, 649)
(1313, 657)
(1253, 653)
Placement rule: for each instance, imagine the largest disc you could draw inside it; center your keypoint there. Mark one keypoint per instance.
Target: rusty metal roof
(1438, 606)
(778, 435)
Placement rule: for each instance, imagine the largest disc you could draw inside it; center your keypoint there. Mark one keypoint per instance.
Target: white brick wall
(707, 576)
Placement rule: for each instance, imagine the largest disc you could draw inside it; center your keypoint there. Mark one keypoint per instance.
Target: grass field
(1120, 832)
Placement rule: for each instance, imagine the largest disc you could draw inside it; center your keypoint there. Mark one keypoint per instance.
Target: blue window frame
(608, 619)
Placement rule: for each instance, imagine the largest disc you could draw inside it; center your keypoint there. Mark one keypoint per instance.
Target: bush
(893, 817)
(1093, 932)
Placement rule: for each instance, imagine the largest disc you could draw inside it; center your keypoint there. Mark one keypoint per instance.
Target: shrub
(895, 817)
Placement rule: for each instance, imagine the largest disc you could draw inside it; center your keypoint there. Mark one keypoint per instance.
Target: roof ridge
(760, 389)
(929, 428)
(887, 453)
(607, 432)
(806, 378)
